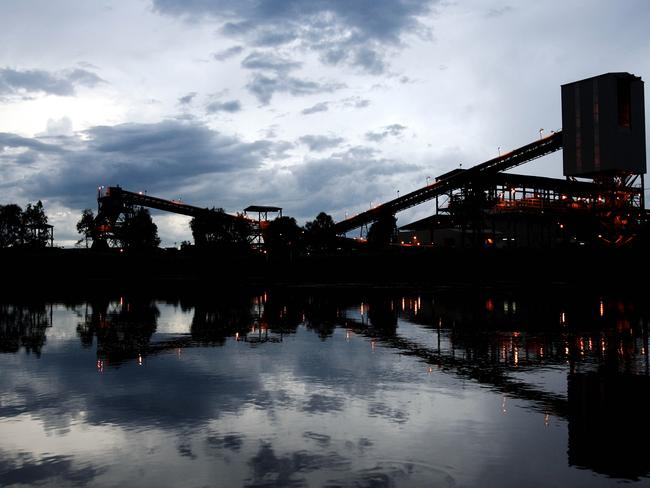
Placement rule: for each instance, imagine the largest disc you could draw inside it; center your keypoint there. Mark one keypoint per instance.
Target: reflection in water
(123, 329)
(23, 326)
(316, 388)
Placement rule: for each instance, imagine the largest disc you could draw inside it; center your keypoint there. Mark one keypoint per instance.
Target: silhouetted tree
(34, 222)
(138, 230)
(320, 233)
(11, 225)
(383, 231)
(86, 226)
(220, 231)
(283, 236)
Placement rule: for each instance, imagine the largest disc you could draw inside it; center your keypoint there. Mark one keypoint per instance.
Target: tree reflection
(123, 328)
(23, 326)
(216, 319)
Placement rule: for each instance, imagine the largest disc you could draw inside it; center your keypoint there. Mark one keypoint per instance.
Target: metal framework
(115, 204)
(455, 180)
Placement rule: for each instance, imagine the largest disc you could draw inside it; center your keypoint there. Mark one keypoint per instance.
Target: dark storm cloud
(187, 99)
(231, 106)
(320, 143)
(389, 130)
(157, 157)
(228, 53)
(319, 107)
(16, 82)
(8, 140)
(264, 87)
(353, 32)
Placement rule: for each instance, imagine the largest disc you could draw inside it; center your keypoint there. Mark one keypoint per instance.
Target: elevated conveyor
(113, 199)
(114, 203)
(454, 181)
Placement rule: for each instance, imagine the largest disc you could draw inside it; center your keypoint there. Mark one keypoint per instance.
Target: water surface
(321, 388)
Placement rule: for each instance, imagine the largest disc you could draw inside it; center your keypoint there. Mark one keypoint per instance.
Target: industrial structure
(603, 143)
(599, 202)
(115, 205)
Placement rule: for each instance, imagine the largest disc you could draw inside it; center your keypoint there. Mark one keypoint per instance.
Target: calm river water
(321, 388)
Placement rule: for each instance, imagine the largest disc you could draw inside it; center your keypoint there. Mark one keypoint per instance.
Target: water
(315, 388)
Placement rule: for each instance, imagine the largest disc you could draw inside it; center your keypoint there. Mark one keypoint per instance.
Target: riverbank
(398, 267)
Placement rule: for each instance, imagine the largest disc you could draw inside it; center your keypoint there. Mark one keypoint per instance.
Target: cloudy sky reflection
(355, 405)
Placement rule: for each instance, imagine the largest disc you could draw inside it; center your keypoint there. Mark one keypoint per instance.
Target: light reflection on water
(289, 388)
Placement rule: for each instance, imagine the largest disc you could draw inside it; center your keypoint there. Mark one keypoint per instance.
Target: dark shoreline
(85, 270)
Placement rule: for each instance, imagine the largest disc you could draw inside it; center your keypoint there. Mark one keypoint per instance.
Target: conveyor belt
(456, 180)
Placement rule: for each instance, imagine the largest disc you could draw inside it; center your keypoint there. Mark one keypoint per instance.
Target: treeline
(26, 227)
(219, 232)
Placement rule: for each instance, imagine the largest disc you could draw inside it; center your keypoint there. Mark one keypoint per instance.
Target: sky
(310, 105)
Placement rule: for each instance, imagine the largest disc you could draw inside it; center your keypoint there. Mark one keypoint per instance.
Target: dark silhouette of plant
(86, 226)
(218, 230)
(138, 231)
(283, 237)
(320, 233)
(382, 232)
(11, 225)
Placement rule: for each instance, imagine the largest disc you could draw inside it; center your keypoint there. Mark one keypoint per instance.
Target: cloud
(389, 130)
(320, 143)
(228, 53)
(231, 106)
(356, 33)
(62, 126)
(319, 107)
(269, 62)
(333, 182)
(187, 99)
(272, 76)
(15, 82)
(499, 11)
(356, 102)
(159, 157)
(9, 140)
(264, 87)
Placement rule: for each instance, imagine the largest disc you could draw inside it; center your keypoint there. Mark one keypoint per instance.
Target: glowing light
(372, 345)
(100, 366)
(430, 370)
(362, 309)
(347, 335)
(489, 305)
(602, 308)
(547, 419)
(516, 356)
(403, 304)
(237, 336)
(139, 359)
(562, 318)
